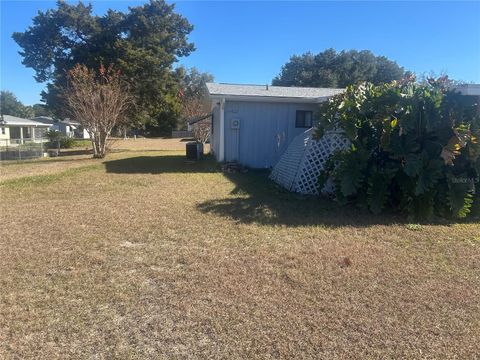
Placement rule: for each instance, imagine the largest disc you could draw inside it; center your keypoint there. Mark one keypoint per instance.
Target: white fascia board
(280, 99)
(212, 109)
(24, 125)
(221, 156)
(323, 99)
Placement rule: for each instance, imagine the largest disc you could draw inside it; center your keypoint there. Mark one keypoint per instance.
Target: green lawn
(145, 255)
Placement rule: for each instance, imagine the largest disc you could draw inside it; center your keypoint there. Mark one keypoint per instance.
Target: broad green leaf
(350, 172)
(460, 198)
(413, 165)
(378, 193)
(430, 173)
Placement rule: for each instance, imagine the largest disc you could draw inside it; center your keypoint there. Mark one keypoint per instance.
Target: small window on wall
(3, 131)
(304, 119)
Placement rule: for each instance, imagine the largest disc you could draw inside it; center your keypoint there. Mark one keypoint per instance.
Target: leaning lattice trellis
(304, 159)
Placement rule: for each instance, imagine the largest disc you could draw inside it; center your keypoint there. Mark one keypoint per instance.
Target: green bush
(414, 149)
(81, 143)
(67, 142)
(56, 140)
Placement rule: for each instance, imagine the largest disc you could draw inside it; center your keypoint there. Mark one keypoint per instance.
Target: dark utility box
(194, 150)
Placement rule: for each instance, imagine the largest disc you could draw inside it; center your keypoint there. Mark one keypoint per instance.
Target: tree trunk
(99, 143)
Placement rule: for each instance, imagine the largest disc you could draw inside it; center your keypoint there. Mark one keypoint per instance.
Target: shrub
(414, 148)
(57, 140)
(67, 142)
(82, 143)
(54, 139)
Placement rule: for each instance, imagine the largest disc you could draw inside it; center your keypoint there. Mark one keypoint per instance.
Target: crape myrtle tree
(338, 69)
(99, 100)
(143, 43)
(202, 129)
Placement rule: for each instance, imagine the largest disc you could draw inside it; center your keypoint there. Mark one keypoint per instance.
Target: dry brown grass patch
(148, 256)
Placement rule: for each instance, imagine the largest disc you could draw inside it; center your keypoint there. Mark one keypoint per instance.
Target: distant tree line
(10, 105)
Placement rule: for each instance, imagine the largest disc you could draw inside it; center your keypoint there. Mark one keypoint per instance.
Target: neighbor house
(73, 129)
(254, 124)
(66, 127)
(16, 130)
(470, 90)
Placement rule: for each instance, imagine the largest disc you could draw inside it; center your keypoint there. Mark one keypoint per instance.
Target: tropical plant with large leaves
(414, 148)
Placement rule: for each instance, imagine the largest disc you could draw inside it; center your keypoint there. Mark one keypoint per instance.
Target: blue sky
(248, 42)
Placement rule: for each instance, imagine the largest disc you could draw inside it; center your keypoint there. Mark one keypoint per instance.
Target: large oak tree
(142, 43)
(338, 69)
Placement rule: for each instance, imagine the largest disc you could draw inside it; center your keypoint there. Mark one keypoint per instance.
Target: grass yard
(144, 255)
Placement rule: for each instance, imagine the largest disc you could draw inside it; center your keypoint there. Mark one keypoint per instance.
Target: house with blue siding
(254, 124)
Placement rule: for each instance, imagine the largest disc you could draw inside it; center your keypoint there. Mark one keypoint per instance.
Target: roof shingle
(267, 91)
(9, 120)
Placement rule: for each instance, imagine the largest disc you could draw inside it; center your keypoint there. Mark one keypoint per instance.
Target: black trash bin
(194, 150)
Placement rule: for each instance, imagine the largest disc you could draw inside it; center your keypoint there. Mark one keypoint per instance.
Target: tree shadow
(257, 199)
(75, 152)
(161, 164)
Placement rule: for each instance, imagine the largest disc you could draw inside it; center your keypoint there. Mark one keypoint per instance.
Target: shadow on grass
(255, 198)
(75, 152)
(161, 164)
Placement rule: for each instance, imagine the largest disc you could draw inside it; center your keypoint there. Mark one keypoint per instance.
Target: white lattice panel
(303, 177)
(287, 167)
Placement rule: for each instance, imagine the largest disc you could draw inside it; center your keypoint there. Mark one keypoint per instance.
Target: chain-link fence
(21, 149)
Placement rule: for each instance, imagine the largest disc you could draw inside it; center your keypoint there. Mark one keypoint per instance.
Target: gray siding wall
(215, 138)
(266, 130)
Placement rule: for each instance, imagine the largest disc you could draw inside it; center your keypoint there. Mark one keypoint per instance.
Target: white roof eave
(310, 100)
(6, 124)
(12, 121)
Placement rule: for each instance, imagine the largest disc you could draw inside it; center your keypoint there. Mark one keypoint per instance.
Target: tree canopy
(143, 43)
(338, 69)
(193, 81)
(10, 105)
(41, 110)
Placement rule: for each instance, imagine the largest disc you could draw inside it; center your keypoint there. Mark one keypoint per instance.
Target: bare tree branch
(201, 130)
